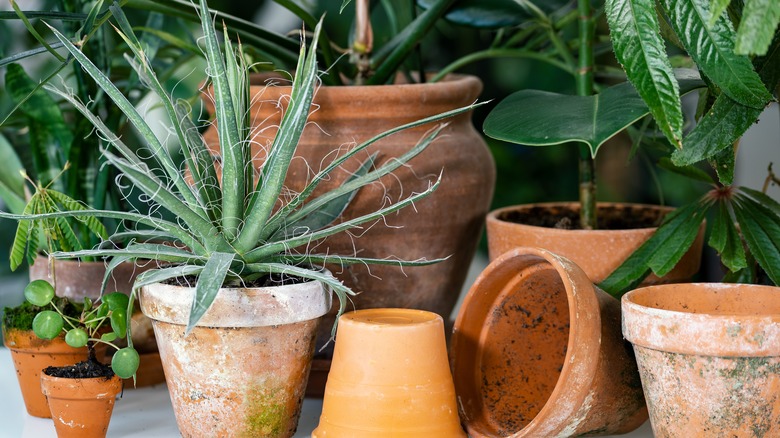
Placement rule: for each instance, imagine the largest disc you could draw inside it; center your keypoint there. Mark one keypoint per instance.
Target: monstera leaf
(540, 118)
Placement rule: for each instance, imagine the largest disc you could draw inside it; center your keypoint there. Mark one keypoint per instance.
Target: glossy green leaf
(116, 300)
(209, 281)
(47, 324)
(662, 251)
(761, 228)
(125, 362)
(119, 321)
(109, 337)
(713, 50)
(757, 28)
(725, 239)
(724, 162)
(39, 292)
(541, 118)
(635, 34)
(76, 338)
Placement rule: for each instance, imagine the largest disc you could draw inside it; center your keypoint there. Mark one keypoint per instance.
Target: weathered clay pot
(31, 354)
(81, 408)
(709, 357)
(537, 352)
(597, 252)
(242, 370)
(351, 114)
(381, 386)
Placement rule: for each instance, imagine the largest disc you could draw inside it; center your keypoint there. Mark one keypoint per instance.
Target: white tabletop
(141, 413)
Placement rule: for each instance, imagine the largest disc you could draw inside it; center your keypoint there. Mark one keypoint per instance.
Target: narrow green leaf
(762, 199)
(159, 275)
(209, 282)
(30, 28)
(759, 21)
(662, 251)
(92, 223)
(636, 39)
(11, 180)
(321, 259)
(713, 50)
(717, 7)
(761, 229)
(724, 238)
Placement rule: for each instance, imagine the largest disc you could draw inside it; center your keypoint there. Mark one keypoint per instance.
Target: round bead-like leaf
(119, 322)
(47, 324)
(76, 338)
(116, 300)
(125, 362)
(39, 292)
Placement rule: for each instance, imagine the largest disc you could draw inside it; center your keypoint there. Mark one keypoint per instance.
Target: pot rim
(493, 216)
(662, 317)
(239, 307)
(585, 321)
(257, 81)
(66, 387)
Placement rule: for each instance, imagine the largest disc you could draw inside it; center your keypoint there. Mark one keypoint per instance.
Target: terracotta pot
(75, 279)
(597, 252)
(380, 386)
(709, 357)
(350, 114)
(242, 370)
(537, 352)
(81, 408)
(32, 354)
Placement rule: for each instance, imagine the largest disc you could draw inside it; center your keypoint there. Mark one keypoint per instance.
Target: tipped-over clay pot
(537, 352)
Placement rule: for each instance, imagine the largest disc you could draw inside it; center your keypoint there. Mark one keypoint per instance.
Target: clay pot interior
(390, 377)
(535, 351)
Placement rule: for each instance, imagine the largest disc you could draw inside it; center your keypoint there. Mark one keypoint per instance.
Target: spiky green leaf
(761, 229)
(209, 282)
(724, 238)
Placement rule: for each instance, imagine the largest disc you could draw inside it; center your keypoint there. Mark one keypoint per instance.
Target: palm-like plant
(240, 231)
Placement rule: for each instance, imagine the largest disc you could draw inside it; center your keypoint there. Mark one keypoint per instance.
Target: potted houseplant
(239, 244)
(81, 395)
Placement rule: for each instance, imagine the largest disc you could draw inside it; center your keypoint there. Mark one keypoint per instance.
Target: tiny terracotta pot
(390, 378)
(597, 252)
(242, 370)
(709, 357)
(537, 352)
(81, 408)
(32, 354)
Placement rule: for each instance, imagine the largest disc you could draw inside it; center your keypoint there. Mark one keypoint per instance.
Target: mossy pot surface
(709, 357)
(243, 368)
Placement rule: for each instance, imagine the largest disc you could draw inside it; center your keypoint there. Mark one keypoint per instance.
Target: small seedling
(89, 327)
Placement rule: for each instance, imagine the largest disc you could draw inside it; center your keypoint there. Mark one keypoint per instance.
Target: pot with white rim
(242, 370)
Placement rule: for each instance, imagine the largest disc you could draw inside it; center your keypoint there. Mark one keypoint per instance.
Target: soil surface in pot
(264, 281)
(83, 370)
(610, 217)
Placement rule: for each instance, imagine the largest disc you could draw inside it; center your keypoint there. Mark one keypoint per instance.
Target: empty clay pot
(389, 378)
(597, 252)
(31, 354)
(81, 408)
(537, 352)
(709, 357)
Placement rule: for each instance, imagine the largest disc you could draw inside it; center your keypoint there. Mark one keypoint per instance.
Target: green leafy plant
(240, 231)
(733, 90)
(86, 329)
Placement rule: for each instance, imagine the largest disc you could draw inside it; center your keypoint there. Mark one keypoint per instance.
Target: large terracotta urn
(447, 223)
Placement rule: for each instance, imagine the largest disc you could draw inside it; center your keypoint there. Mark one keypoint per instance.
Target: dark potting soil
(82, 370)
(609, 217)
(264, 281)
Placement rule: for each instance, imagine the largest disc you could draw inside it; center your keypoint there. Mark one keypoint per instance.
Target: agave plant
(240, 231)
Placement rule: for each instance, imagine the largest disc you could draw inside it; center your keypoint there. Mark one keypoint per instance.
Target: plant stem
(584, 78)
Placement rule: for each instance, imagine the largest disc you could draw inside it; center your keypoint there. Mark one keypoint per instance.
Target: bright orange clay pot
(597, 252)
(537, 352)
(242, 371)
(709, 357)
(389, 378)
(81, 408)
(32, 354)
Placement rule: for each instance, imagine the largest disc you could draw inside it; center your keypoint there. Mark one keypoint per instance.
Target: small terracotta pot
(597, 252)
(389, 378)
(709, 357)
(31, 354)
(81, 408)
(242, 370)
(537, 352)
